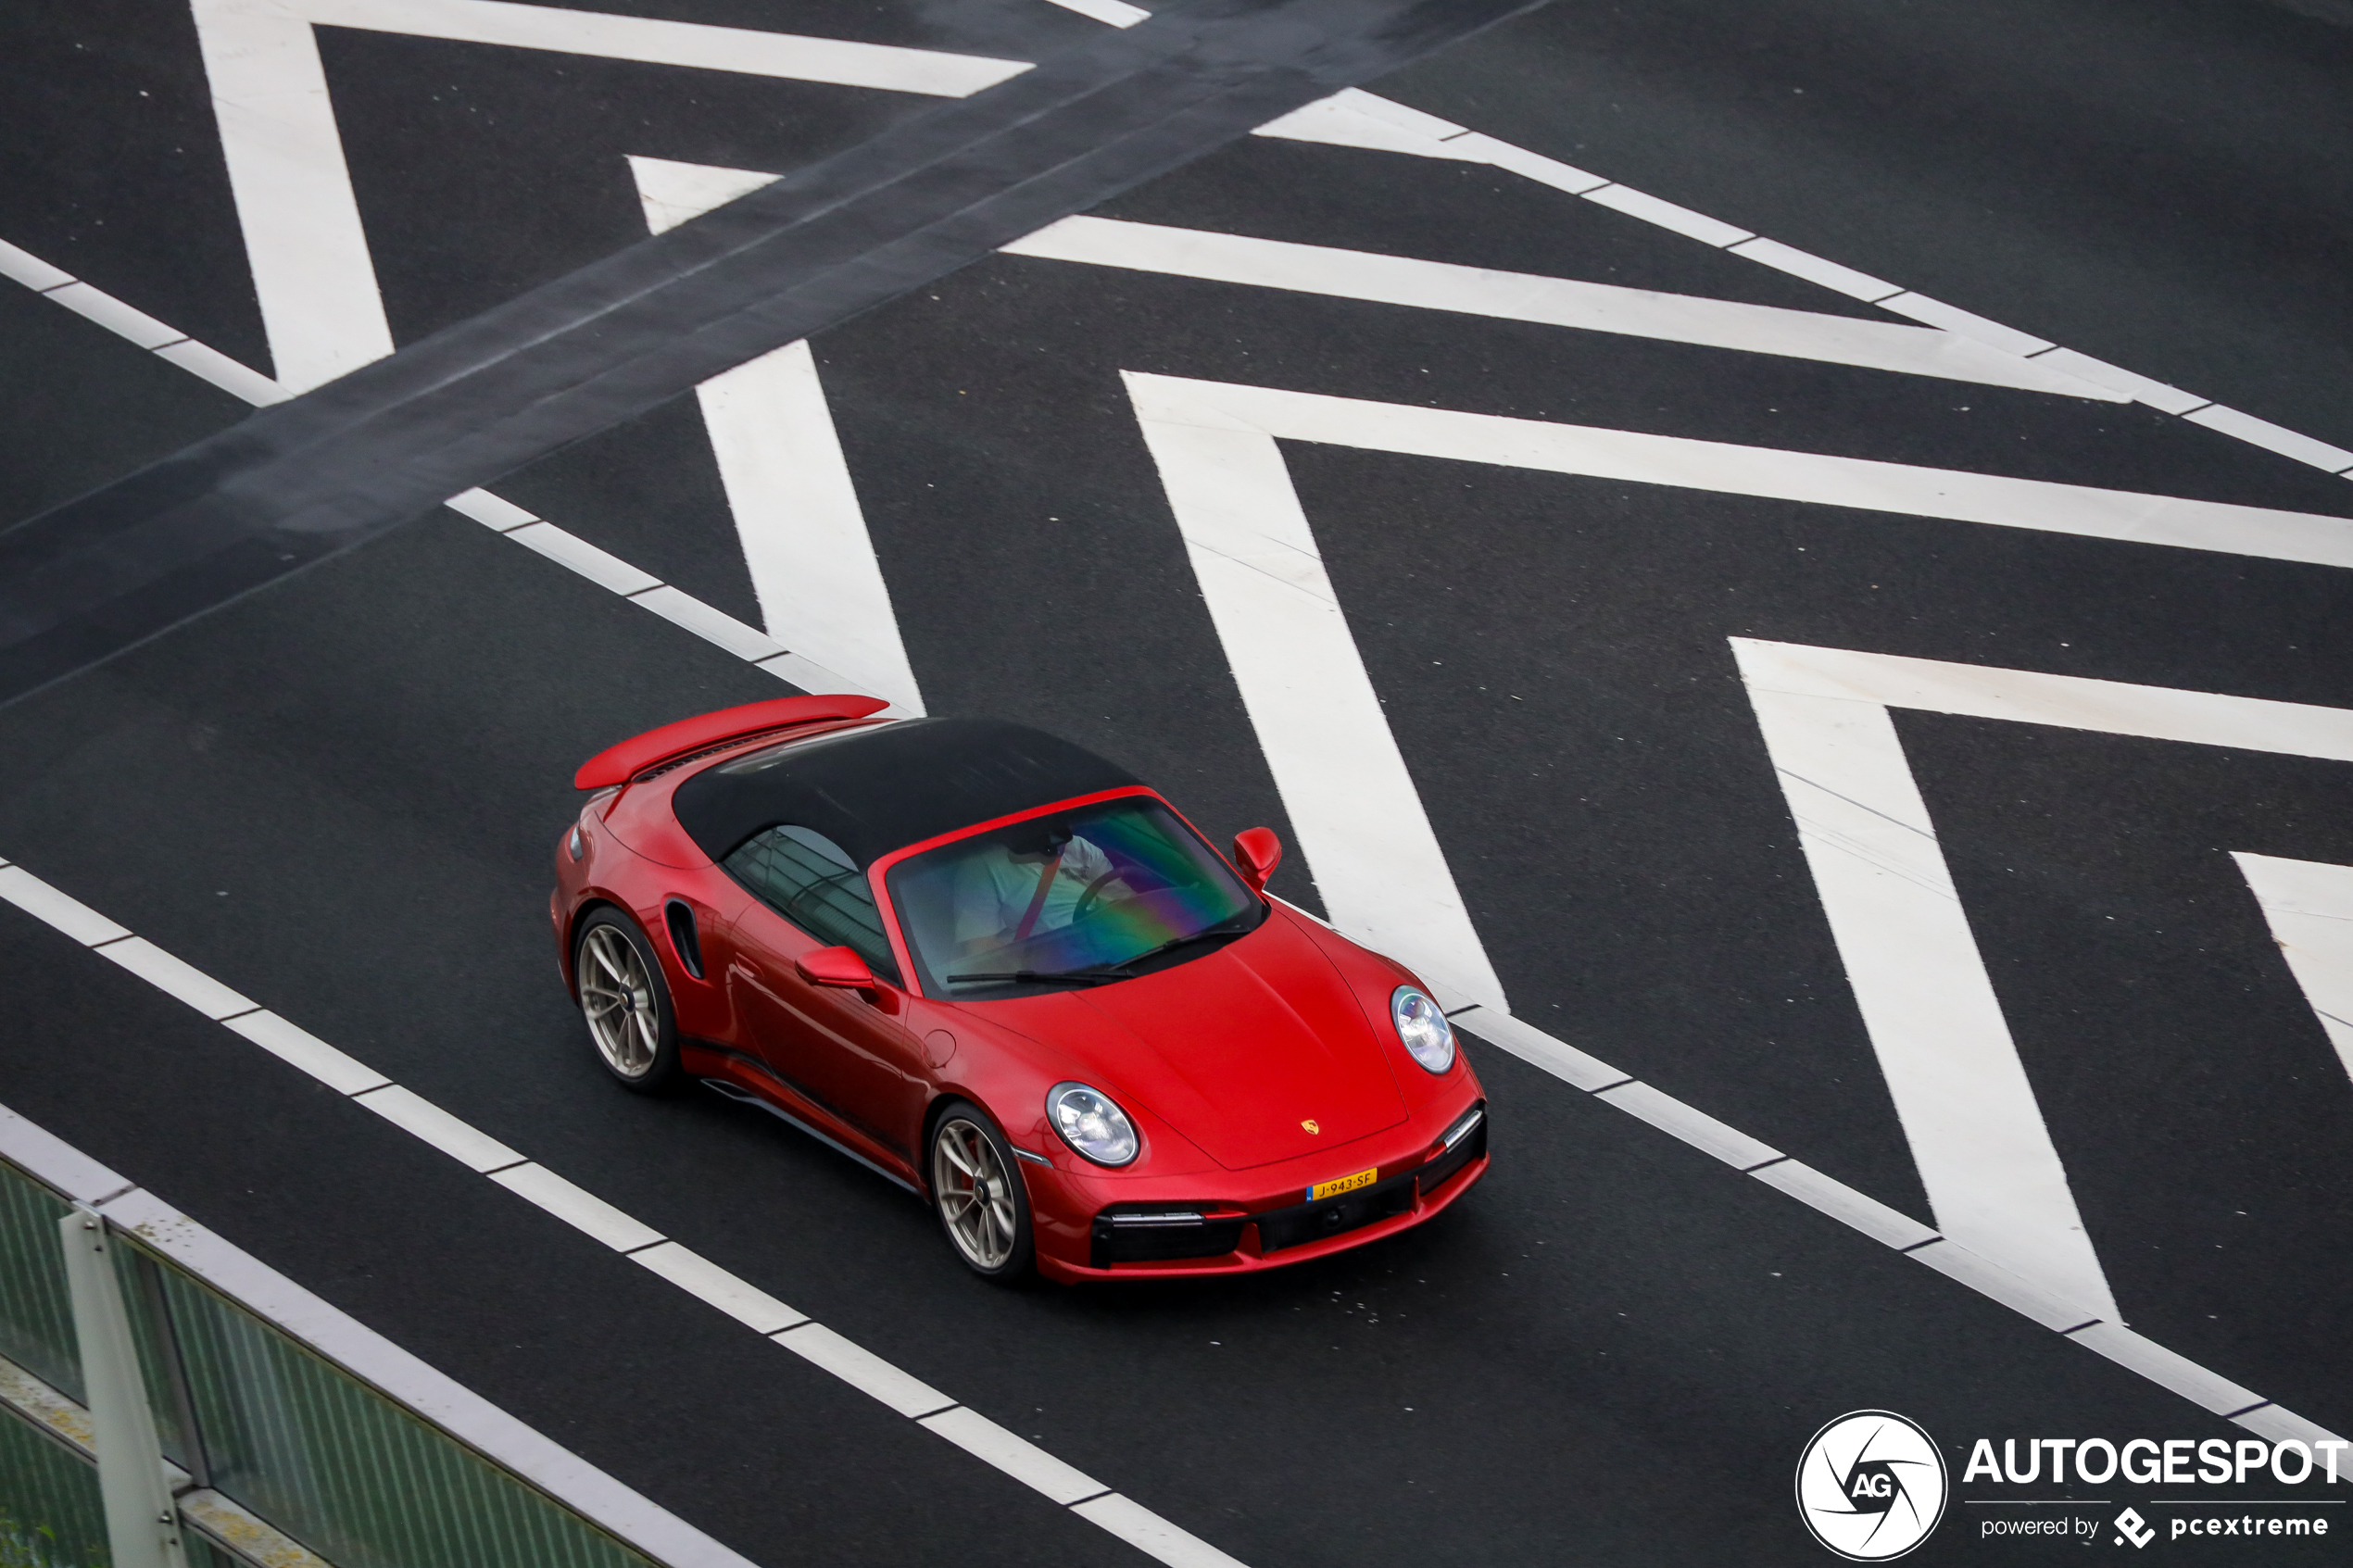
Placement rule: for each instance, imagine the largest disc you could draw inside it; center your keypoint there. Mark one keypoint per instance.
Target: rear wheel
(626, 1002)
(978, 1193)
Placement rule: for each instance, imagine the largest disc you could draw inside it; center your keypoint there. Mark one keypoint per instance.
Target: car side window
(808, 878)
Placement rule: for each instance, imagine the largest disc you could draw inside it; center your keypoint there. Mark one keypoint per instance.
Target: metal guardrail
(267, 1453)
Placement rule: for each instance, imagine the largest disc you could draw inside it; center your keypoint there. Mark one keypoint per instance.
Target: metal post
(143, 1526)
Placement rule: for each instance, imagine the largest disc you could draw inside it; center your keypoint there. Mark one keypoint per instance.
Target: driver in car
(1032, 880)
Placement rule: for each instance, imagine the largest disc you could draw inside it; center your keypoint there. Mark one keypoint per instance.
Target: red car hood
(1239, 1051)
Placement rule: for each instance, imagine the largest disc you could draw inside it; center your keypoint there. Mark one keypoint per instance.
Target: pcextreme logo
(1871, 1485)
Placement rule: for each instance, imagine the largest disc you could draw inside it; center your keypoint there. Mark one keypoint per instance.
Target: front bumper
(1159, 1237)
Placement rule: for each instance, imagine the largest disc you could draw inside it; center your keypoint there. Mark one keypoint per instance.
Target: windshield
(1065, 899)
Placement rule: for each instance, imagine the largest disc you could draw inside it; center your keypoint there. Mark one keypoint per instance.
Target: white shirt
(994, 891)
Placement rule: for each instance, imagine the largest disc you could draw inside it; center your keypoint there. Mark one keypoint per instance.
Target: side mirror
(835, 966)
(1258, 852)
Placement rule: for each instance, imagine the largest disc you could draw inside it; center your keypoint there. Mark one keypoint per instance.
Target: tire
(989, 1234)
(626, 1002)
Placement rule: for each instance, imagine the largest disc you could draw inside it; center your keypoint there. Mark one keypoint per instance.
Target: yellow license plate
(1322, 1190)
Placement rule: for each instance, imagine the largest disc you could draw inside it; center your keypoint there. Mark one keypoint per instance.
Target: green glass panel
(350, 1475)
(36, 1315)
(50, 1516)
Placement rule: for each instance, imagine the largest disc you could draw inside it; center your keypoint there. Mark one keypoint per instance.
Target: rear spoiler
(618, 764)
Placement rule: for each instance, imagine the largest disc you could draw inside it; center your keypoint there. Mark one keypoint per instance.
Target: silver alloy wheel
(976, 1194)
(618, 997)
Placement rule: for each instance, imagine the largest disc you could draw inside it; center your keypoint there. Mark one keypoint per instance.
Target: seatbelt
(1038, 899)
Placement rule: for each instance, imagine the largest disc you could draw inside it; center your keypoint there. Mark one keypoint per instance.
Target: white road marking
(1814, 270)
(2161, 1366)
(2309, 905)
(699, 1276)
(567, 550)
(1444, 433)
(176, 979)
(1557, 302)
(2272, 437)
(1695, 1128)
(863, 1371)
(428, 1124)
(1856, 1211)
(2140, 389)
(23, 267)
(1352, 118)
(1967, 1108)
(797, 514)
(1345, 786)
(359, 1350)
(1149, 1534)
(573, 553)
(670, 192)
(716, 626)
(1484, 149)
(297, 1310)
(1900, 1233)
(1667, 215)
(1952, 319)
(211, 365)
(311, 273)
(45, 904)
(1967, 1111)
(1116, 13)
(2033, 696)
(303, 239)
(1026, 1462)
(301, 1049)
(115, 316)
(2027, 1297)
(652, 40)
(575, 1205)
(1858, 482)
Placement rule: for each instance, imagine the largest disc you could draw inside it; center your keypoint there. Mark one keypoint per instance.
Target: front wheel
(978, 1191)
(626, 1002)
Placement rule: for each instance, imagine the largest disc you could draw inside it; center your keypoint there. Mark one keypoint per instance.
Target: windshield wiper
(1094, 973)
(1206, 933)
(1102, 973)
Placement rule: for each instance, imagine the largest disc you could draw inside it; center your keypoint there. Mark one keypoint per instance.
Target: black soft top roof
(882, 787)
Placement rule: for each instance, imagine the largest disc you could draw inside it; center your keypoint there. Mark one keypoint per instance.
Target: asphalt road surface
(339, 796)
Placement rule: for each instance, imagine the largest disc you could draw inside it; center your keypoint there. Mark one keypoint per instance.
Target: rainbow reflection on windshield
(1083, 890)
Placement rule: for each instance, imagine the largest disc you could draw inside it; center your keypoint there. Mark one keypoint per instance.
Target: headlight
(1422, 1028)
(1092, 1124)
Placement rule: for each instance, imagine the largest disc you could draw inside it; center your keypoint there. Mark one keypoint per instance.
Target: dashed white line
(1814, 270)
(501, 517)
(358, 1350)
(1896, 1231)
(1357, 119)
(1559, 302)
(434, 1127)
(180, 981)
(642, 1243)
(917, 1399)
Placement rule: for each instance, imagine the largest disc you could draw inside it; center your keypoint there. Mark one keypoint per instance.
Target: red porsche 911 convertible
(1002, 973)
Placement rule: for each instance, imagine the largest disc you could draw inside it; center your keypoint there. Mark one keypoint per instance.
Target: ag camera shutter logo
(1871, 1485)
